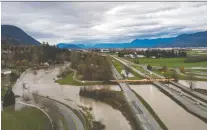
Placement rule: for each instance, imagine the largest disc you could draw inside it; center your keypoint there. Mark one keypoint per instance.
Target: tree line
(26, 55)
(91, 65)
(155, 52)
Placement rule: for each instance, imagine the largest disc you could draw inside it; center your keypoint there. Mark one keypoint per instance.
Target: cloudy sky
(94, 22)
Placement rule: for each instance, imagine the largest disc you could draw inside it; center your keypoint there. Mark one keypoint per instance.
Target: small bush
(9, 98)
(64, 73)
(149, 67)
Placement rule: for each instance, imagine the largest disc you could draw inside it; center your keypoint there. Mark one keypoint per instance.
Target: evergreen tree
(9, 98)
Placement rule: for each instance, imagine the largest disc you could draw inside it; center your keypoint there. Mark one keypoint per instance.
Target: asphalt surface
(186, 100)
(188, 90)
(182, 87)
(142, 115)
(193, 104)
(73, 122)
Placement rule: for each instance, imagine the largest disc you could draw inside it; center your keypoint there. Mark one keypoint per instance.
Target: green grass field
(68, 80)
(25, 119)
(180, 77)
(121, 67)
(196, 53)
(171, 62)
(140, 69)
(196, 70)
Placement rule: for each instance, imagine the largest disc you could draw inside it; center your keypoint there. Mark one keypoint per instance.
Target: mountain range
(198, 39)
(14, 35)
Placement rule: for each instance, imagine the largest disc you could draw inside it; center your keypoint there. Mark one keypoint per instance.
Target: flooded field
(43, 83)
(173, 115)
(198, 84)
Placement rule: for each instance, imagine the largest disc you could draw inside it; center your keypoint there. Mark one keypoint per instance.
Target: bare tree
(127, 71)
(35, 59)
(124, 76)
(190, 80)
(61, 71)
(164, 68)
(175, 75)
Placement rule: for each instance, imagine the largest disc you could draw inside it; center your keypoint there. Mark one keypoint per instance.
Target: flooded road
(198, 84)
(43, 82)
(172, 115)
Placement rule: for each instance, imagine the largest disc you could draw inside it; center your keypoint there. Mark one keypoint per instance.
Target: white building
(140, 56)
(131, 56)
(105, 50)
(5, 71)
(153, 57)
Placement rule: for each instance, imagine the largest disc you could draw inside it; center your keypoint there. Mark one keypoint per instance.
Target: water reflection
(43, 83)
(173, 116)
(198, 84)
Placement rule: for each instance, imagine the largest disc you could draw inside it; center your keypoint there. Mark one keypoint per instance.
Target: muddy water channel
(172, 115)
(43, 82)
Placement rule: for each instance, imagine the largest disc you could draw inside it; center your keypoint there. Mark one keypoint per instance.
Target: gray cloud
(90, 22)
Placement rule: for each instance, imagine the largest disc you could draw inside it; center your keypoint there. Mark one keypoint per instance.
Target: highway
(182, 87)
(192, 104)
(188, 90)
(73, 122)
(142, 115)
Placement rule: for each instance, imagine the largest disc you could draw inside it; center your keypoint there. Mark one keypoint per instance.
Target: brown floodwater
(43, 82)
(198, 84)
(172, 115)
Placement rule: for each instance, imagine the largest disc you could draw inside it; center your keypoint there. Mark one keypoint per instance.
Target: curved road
(73, 122)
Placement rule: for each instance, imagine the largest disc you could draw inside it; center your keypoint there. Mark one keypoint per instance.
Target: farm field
(170, 62)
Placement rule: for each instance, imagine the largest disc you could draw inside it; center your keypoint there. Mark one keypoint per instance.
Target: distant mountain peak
(15, 35)
(198, 39)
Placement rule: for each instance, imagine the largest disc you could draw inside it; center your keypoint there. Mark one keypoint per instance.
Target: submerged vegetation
(114, 98)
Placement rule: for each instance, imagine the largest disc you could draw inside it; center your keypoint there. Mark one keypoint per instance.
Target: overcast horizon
(96, 22)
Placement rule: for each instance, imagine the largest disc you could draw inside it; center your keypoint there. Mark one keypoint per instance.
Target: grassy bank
(140, 69)
(183, 77)
(202, 91)
(114, 99)
(119, 67)
(171, 62)
(151, 110)
(180, 77)
(179, 103)
(68, 80)
(25, 119)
